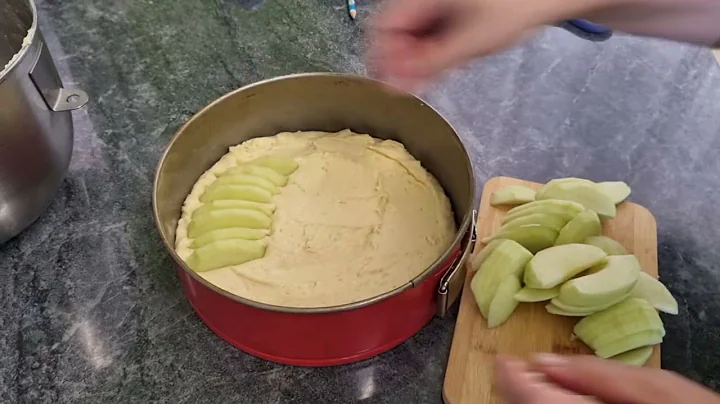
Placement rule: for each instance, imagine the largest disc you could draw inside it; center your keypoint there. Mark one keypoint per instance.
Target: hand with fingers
(552, 379)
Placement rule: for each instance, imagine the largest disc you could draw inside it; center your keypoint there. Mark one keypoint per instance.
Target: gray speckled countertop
(92, 309)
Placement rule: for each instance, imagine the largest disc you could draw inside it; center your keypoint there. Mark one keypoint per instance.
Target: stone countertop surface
(93, 311)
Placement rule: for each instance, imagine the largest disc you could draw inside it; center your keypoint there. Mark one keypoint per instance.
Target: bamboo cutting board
(469, 377)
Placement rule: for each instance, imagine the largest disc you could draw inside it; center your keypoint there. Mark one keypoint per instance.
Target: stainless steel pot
(36, 131)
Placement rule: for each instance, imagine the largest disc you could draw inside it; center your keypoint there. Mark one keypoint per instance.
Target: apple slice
(225, 253)
(616, 278)
(620, 330)
(482, 255)
(282, 165)
(629, 343)
(555, 265)
(635, 357)
(655, 293)
(631, 310)
(610, 246)
(567, 180)
(512, 195)
(565, 209)
(552, 309)
(531, 236)
(221, 204)
(503, 303)
(507, 259)
(227, 218)
(618, 191)
(582, 226)
(555, 222)
(236, 192)
(260, 171)
(530, 295)
(227, 234)
(247, 179)
(588, 309)
(585, 194)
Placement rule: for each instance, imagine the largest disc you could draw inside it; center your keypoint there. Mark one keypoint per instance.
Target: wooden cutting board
(469, 377)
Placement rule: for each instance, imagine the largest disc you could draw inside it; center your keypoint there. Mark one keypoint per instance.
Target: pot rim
(32, 32)
(463, 227)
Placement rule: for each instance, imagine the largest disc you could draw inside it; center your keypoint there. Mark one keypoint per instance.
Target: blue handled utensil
(587, 30)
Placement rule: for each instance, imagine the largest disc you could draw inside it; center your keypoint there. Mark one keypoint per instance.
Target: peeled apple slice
(620, 320)
(565, 209)
(236, 192)
(587, 310)
(616, 278)
(636, 357)
(566, 180)
(552, 309)
(282, 165)
(651, 322)
(655, 293)
(585, 194)
(548, 220)
(225, 253)
(260, 171)
(512, 195)
(507, 259)
(629, 343)
(265, 208)
(531, 236)
(618, 191)
(482, 255)
(223, 219)
(503, 303)
(247, 179)
(226, 234)
(610, 246)
(553, 266)
(582, 226)
(530, 295)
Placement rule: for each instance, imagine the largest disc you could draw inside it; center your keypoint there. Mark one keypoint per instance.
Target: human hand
(554, 379)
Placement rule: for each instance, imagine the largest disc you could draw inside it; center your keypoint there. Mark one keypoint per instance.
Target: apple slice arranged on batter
(247, 179)
(281, 165)
(259, 171)
(222, 204)
(225, 253)
(228, 218)
(228, 234)
(236, 192)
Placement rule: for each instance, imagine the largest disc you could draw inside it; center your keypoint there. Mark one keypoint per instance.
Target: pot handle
(453, 280)
(48, 84)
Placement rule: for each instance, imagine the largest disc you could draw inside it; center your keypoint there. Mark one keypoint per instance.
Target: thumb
(614, 382)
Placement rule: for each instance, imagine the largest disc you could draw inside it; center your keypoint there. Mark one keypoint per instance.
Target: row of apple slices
(232, 224)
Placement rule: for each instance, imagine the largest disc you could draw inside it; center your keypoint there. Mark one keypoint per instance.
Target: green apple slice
(635, 357)
(616, 278)
(282, 165)
(512, 195)
(265, 208)
(631, 310)
(482, 255)
(530, 295)
(588, 309)
(260, 171)
(227, 218)
(531, 236)
(553, 266)
(555, 222)
(585, 194)
(610, 246)
(236, 192)
(552, 309)
(654, 292)
(507, 259)
(629, 343)
(618, 191)
(582, 226)
(227, 234)
(620, 330)
(247, 179)
(567, 180)
(566, 209)
(503, 303)
(225, 253)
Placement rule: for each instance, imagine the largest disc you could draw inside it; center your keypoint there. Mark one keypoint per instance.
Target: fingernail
(547, 359)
